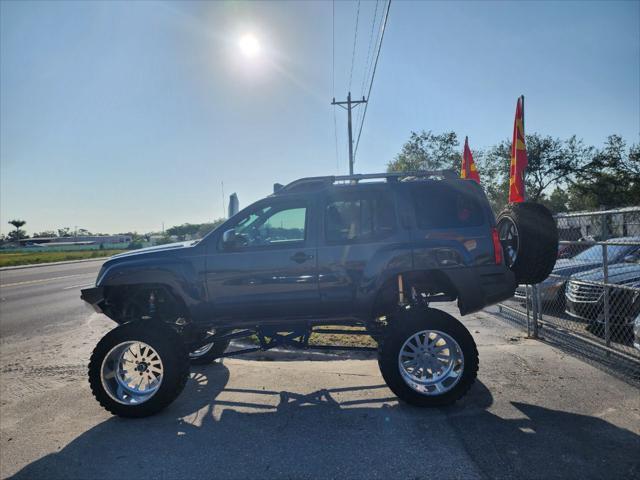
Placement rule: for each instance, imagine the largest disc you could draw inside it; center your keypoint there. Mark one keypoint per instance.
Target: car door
(271, 270)
(360, 238)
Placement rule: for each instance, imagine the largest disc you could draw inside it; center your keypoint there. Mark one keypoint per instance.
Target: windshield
(594, 254)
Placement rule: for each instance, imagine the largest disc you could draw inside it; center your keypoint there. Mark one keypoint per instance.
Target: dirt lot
(535, 412)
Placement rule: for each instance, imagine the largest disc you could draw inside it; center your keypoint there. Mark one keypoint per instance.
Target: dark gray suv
(370, 251)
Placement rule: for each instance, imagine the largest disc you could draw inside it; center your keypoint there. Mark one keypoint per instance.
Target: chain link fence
(591, 301)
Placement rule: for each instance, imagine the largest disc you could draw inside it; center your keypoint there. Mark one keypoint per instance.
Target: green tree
(193, 230)
(205, 228)
(428, 151)
(610, 179)
(558, 201)
(45, 234)
(17, 234)
(551, 162)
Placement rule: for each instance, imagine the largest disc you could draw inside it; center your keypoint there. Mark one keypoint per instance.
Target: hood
(569, 266)
(157, 248)
(621, 273)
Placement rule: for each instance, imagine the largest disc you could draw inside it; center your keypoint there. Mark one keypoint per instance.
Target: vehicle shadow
(351, 432)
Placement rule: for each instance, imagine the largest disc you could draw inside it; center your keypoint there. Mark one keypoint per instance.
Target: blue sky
(119, 116)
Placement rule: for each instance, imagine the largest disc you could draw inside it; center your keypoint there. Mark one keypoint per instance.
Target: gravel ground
(535, 412)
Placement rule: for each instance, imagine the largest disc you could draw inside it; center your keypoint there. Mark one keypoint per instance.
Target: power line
(333, 77)
(373, 75)
(355, 40)
(369, 60)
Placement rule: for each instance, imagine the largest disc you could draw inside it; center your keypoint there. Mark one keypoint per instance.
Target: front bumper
(583, 310)
(93, 296)
(550, 292)
(593, 312)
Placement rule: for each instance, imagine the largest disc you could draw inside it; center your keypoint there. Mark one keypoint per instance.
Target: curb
(65, 262)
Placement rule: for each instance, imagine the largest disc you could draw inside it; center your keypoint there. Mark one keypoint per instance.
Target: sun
(249, 46)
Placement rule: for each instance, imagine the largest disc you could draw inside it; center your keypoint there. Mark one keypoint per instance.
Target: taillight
(497, 246)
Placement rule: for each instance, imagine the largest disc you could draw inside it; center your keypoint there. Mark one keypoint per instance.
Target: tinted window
(271, 225)
(439, 205)
(359, 218)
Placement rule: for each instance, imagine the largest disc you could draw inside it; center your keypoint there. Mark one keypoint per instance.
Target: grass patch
(334, 339)
(8, 259)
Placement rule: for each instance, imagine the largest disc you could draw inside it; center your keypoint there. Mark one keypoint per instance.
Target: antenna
(223, 198)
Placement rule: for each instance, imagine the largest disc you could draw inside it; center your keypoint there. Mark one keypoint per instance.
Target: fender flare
(178, 276)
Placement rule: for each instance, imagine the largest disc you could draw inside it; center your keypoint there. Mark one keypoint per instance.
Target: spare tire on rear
(529, 238)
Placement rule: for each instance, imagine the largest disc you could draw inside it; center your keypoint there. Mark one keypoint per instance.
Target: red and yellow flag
(468, 169)
(518, 156)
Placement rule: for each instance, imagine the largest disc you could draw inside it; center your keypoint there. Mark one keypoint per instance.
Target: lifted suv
(340, 251)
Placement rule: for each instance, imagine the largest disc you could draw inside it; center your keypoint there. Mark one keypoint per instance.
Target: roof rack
(352, 179)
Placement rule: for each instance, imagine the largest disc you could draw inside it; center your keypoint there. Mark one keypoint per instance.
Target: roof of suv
(312, 183)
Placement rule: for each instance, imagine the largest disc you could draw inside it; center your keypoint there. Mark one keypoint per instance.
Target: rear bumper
(93, 296)
(480, 287)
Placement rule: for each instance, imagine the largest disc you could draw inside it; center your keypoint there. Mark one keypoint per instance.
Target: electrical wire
(373, 76)
(369, 60)
(333, 78)
(355, 41)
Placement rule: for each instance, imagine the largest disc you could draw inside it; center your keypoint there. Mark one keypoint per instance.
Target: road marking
(79, 286)
(42, 280)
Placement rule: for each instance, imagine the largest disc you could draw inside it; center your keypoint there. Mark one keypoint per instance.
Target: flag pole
(524, 137)
(523, 129)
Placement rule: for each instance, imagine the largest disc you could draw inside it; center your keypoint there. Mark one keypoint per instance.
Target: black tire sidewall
(406, 323)
(217, 349)
(175, 361)
(537, 241)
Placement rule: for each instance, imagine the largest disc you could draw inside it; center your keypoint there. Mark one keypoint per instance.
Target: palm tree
(17, 224)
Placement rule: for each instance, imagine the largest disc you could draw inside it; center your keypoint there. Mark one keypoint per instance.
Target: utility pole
(350, 104)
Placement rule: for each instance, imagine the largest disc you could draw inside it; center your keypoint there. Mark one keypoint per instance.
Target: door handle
(301, 257)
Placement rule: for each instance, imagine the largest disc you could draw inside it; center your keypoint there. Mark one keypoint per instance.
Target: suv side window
(272, 225)
(438, 205)
(359, 217)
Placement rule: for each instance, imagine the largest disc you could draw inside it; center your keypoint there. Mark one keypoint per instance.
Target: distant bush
(164, 241)
(135, 245)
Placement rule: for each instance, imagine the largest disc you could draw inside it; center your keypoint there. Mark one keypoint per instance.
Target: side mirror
(633, 258)
(229, 238)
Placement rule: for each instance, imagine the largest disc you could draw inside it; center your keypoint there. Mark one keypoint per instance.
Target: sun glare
(249, 46)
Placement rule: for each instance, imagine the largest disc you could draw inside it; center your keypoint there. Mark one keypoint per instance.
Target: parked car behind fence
(593, 298)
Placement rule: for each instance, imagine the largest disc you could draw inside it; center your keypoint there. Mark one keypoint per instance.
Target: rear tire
(529, 238)
(142, 350)
(208, 353)
(445, 371)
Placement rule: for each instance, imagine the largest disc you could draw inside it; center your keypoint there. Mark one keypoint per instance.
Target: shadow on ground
(341, 433)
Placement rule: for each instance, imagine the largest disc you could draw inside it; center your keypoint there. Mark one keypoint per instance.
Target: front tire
(429, 359)
(138, 369)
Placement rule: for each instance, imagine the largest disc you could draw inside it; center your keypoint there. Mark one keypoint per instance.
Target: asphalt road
(534, 412)
(35, 299)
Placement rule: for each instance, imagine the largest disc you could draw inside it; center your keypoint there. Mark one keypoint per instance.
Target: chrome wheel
(431, 362)
(510, 240)
(202, 351)
(131, 372)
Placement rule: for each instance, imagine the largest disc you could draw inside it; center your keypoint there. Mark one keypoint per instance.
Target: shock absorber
(152, 304)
